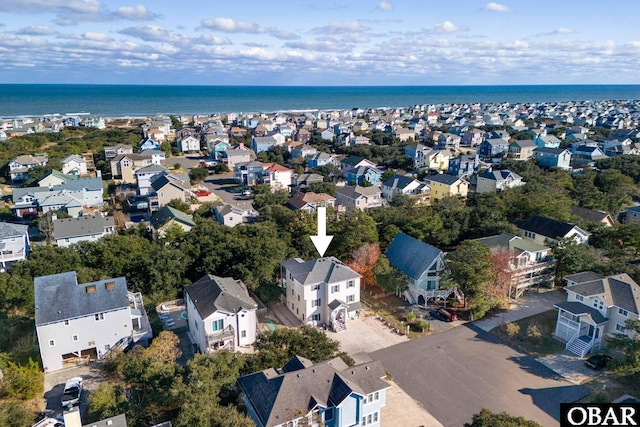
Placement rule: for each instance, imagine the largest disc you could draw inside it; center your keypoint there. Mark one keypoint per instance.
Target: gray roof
(117, 421)
(411, 256)
(74, 157)
(512, 242)
(81, 184)
(59, 297)
(578, 308)
(151, 169)
(442, 178)
(499, 175)
(619, 290)
(589, 214)
(213, 293)
(8, 230)
(398, 181)
(524, 143)
(327, 270)
(166, 214)
(585, 276)
(355, 191)
(159, 181)
(281, 396)
(546, 226)
(82, 226)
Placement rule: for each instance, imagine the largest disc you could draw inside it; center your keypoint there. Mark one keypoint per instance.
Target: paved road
(526, 306)
(456, 373)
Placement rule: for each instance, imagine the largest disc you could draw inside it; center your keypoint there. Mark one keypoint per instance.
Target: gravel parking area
(54, 386)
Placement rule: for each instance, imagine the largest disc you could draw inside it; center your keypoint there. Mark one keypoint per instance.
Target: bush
(268, 292)
(424, 325)
(411, 317)
(534, 333)
(513, 329)
(599, 397)
(23, 382)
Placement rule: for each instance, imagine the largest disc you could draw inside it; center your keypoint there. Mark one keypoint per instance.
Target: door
(591, 330)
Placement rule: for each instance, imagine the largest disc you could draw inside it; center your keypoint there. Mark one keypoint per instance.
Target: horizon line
(321, 86)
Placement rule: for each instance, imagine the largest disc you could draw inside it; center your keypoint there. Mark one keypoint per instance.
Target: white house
(221, 314)
(14, 244)
(144, 175)
(545, 230)
(596, 308)
(83, 322)
(230, 215)
(74, 165)
(399, 184)
(280, 177)
(68, 231)
(189, 144)
(498, 180)
(20, 166)
(323, 291)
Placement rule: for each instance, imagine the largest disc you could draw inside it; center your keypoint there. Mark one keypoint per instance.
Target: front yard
(532, 335)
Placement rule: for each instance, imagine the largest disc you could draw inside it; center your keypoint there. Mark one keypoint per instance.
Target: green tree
(23, 382)
(106, 401)
(573, 257)
(630, 347)
(388, 174)
(197, 175)
(221, 168)
(322, 187)
(388, 278)
(15, 414)
(180, 205)
(486, 418)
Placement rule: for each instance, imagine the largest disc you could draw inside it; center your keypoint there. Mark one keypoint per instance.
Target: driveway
(54, 386)
(569, 366)
(456, 373)
(526, 306)
(401, 410)
(225, 188)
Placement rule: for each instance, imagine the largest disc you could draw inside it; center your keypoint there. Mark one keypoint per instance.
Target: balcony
(223, 339)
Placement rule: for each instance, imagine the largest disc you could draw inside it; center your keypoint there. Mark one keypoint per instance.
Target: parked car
(202, 193)
(598, 361)
(247, 193)
(72, 392)
(447, 314)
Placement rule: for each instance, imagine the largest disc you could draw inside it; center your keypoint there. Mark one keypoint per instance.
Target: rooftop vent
(91, 289)
(110, 286)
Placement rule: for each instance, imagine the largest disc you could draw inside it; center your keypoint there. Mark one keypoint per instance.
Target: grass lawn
(533, 335)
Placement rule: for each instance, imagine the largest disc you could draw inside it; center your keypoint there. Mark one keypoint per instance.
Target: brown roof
(300, 199)
(274, 167)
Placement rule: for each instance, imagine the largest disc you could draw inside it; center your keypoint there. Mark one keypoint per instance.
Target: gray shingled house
(68, 231)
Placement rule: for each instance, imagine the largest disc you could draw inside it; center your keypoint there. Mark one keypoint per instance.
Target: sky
(357, 42)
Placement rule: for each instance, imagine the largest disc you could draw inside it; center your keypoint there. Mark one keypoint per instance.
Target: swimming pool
(184, 315)
(270, 325)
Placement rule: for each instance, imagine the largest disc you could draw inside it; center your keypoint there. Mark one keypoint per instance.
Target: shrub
(513, 329)
(23, 382)
(411, 317)
(424, 325)
(599, 397)
(534, 333)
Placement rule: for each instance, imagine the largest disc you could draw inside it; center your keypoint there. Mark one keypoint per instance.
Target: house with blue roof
(149, 144)
(422, 264)
(359, 175)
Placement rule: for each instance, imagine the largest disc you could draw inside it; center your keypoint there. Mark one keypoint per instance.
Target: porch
(338, 315)
(421, 296)
(224, 339)
(581, 327)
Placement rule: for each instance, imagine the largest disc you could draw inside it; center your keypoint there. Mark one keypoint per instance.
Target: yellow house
(124, 166)
(444, 185)
(437, 159)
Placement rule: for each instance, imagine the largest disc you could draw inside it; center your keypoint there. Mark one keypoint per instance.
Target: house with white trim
(14, 244)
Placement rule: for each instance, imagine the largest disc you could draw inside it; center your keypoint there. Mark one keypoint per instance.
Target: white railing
(576, 335)
(571, 323)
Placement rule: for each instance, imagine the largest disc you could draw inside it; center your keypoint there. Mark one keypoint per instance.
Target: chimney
(72, 417)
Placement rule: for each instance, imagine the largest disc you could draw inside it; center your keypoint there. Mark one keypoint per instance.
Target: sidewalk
(526, 306)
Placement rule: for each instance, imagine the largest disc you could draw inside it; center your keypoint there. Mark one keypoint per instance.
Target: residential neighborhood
(476, 252)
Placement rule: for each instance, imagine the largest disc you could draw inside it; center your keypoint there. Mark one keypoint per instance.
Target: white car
(72, 392)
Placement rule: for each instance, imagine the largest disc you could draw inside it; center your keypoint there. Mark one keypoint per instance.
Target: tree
(630, 347)
(106, 401)
(23, 381)
(502, 273)
(322, 187)
(197, 175)
(14, 414)
(363, 260)
(486, 418)
(388, 278)
(221, 168)
(180, 205)
(388, 174)
(573, 257)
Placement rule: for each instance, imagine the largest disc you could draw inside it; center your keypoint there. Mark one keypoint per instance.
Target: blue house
(217, 149)
(329, 393)
(463, 165)
(262, 143)
(249, 173)
(492, 147)
(553, 158)
(547, 141)
(364, 173)
(422, 264)
(149, 144)
(320, 159)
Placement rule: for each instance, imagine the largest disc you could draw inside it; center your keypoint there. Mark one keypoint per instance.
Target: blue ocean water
(139, 100)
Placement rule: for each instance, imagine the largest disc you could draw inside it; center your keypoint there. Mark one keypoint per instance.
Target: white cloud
(496, 7)
(318, 46)
(154, 33)
(283, 34)
(385, 5)
(136, 13)
(97, 37)
(228, 25)
(251, 44)
(564, 30)
(340, 28)
(75, 6)
(211, 40)
(449, 27)
(37, 30)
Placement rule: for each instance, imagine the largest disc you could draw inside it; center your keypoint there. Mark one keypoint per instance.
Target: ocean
(140, 100)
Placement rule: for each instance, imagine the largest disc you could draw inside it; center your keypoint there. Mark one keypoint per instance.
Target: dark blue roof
(411, 256)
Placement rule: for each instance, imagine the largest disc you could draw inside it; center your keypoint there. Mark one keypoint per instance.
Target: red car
(447, 314)
(202, 193)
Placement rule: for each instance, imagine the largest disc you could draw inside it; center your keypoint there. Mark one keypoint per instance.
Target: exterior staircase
(580, 346)
(339, 325)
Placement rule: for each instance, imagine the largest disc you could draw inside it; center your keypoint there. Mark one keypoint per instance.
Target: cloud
(495, 7)
(72, 6)
(449, 27)
(557, 32)
(154, 33)
(319, 46)
(251, 44)
(37, 30)
(385, 5)
(283, 34)
(228, 25)
(136, 13)
(339, 28)
(211, 40)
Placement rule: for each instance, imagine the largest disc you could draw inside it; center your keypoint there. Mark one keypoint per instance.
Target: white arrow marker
(322, 241)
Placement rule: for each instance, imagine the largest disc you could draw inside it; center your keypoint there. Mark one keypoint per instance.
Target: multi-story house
(422, 264)
(522, 149)
(20, 166)
(111, 152)
(189, 144)
(168, 217)
(124, 166)
(277, 176)
(218, 146)
(355, 197)
(354, 162)
(322, 291)
(144, 175)
(14, 244)
(404, 185)
(167, 187)
(221, 314)
(68, 231)
(74, 165)
(596, 308)
(543, 230)
(249, 173)
(492, 147)
(553, 158)
(632, 214)
(497, 180)
(83, 322)
(309, 202)
(529, 263)
(358, 176)
(464, 165)
(443, 185)
(329, 393)
(320, 159)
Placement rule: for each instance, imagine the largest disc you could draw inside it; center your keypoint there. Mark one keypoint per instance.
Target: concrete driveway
(569, 366)
(359, 340)
(456, 373)
(54, 386)
(526, 306)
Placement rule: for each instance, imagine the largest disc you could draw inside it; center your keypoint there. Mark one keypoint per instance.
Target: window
(316, 317)
(335, 288)
(99, 317)
(293, 292)
(52, 343)
(110, 286)
(291, 306)
(66, 322)
(217, 325)
(620, 328)
(74, 338)
(351, 298)
(580, 298)
(623, 312)
(298, 297)
(243, 334)
(91, 289)
(367, 419)
(375, 417)
(315, 287)
(328, 414)
(196, 323)
(351, 284)
(316, 302)
(297, 311)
